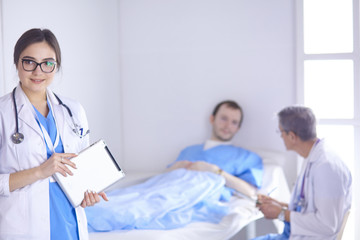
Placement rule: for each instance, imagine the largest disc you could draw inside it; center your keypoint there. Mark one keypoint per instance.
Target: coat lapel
(25, 113)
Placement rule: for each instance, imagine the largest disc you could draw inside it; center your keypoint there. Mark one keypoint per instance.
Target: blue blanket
(166, 201)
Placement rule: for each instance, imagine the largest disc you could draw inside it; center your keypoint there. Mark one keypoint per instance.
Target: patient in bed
(241, 168)
(179, 196)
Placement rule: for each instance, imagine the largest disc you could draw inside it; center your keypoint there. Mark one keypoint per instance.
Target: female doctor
(39, 134)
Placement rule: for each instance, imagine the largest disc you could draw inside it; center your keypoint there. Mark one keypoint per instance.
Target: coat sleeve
(4, 177)
(329, 188)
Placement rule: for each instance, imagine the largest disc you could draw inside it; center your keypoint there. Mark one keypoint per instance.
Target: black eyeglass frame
(36, 65)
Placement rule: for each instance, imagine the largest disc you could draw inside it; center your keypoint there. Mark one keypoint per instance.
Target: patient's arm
(239, 185)
(231, 181)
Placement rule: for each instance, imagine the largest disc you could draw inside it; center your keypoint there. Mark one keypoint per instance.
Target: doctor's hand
(91, 198)
(271, 210)
(58, 162)
(261, 198)
(270, 207)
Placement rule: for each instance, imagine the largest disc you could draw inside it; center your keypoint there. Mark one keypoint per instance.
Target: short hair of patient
(230, 104)
(299, 120)
(37, 35)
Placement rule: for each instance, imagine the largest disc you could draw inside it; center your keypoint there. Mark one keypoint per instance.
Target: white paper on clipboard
(96, 170)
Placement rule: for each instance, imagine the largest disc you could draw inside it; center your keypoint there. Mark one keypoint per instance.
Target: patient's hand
(180, 164)
(203, 166)
(196, 166)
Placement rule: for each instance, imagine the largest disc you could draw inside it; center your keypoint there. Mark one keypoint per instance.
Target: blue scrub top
(63, 221)
(237, 161)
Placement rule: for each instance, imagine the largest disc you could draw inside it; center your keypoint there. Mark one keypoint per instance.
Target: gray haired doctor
(322, 194)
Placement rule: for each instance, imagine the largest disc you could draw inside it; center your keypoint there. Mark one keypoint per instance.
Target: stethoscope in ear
(18, 137)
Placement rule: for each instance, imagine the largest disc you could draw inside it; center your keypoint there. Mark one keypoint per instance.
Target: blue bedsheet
(166, 201)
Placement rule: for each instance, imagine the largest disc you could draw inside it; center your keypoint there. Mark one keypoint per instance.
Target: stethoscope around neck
(301, 197)
(18, 137)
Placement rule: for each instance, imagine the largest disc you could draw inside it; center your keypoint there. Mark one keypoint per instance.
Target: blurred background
(149, 73)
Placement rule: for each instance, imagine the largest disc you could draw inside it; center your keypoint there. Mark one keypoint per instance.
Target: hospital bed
(242, 211)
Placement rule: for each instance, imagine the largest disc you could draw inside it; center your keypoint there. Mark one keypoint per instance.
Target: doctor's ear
(292, 135)
(212, 119)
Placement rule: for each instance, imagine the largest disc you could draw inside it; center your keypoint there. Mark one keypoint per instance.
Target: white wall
(149, 72)
(179, 58)
(2, 74)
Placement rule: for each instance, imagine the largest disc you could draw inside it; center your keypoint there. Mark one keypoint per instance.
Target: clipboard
(96, 170)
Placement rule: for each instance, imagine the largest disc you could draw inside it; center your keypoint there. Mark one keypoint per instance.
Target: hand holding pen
(261, 198)
(270, 207)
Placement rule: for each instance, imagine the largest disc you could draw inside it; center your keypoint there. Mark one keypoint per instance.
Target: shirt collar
(212, 143)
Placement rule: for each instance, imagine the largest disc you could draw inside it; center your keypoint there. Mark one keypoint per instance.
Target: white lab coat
(327, 192)
(24, 213)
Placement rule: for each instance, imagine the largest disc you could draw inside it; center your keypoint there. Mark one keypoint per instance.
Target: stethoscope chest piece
(17, 138)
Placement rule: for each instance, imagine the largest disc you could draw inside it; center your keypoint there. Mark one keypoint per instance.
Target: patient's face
(225, 123)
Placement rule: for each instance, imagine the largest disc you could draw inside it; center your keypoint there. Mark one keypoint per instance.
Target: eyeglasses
(46, 66)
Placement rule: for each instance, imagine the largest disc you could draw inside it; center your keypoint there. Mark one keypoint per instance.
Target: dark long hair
(36, 35)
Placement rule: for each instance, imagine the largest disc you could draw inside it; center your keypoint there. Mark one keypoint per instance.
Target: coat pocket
(14, 214)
